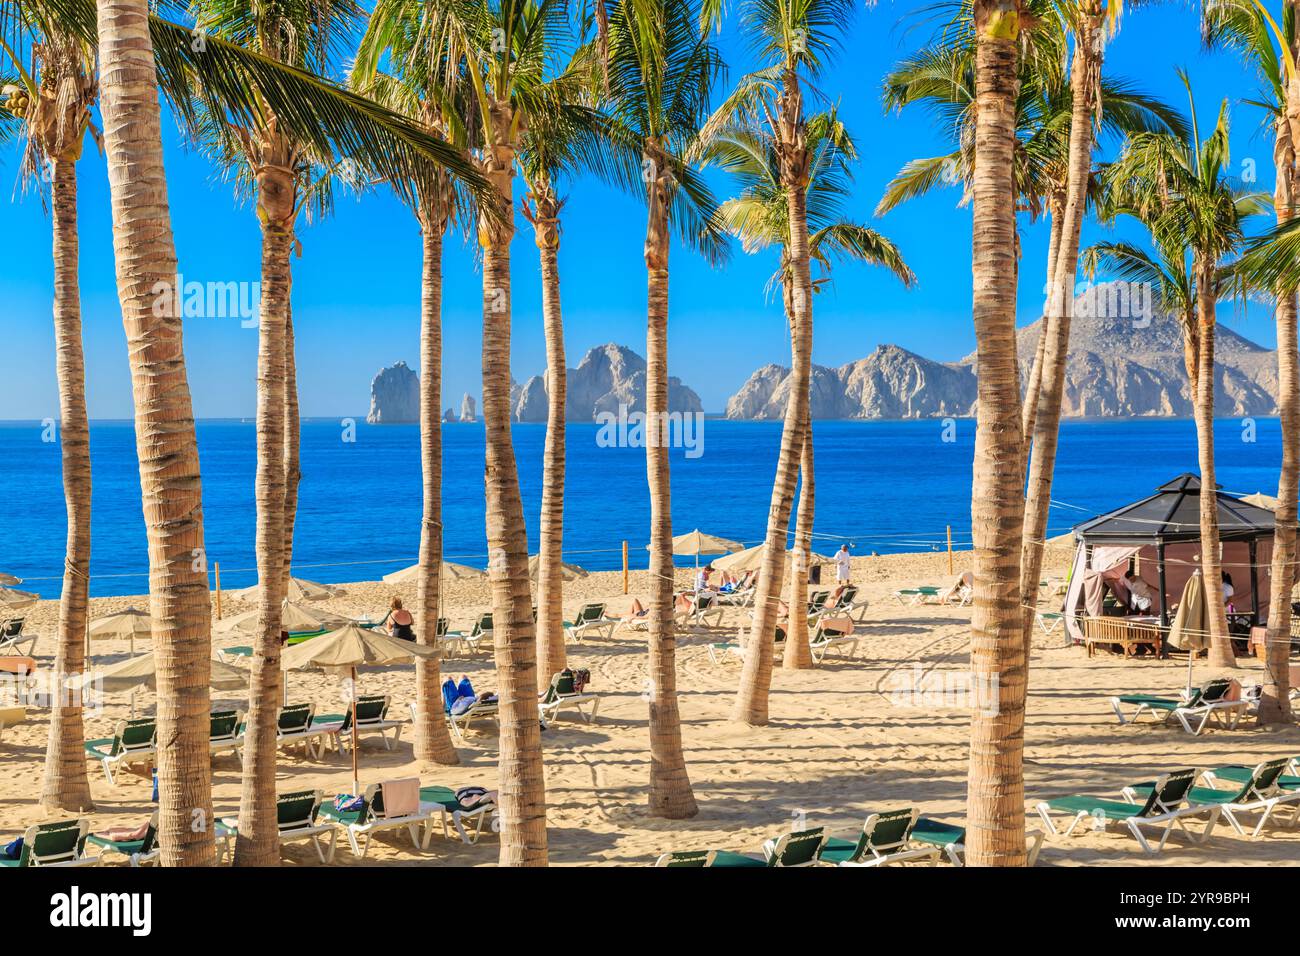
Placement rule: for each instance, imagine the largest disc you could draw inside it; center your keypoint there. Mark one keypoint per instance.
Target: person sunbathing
(638, 611)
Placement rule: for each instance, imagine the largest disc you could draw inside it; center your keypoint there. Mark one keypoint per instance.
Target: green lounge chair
(825, 637)
(799, 848)
(563, 694)
(226, 654)
(140, 852)
(225, 732)
(13, 640)
(480, 632)
(55, 844)
(1164, 805)
(298, 817)
(952, 840)
(359, 826)
(914, 596)
(372, 715)
(720, 651)
(1207, 704)
(591, 619)
(885, 839)
(691, 858)
(1261, 789)
(442, 800)
(133, 741)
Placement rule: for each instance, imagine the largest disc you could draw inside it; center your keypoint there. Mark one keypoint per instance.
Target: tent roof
(1173, 514)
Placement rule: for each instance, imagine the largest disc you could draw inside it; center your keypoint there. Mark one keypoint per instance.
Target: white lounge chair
(1261, 790)
(298, 816)
(591, 622)
(62, 843)
(827, 636)
(13, 640)
(133, 741)
(562, 694)
(885, 839)
(360, 826)
(1208, 704)
(372, 717)
(467, 822)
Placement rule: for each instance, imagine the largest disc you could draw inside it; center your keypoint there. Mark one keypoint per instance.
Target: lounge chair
(459, 723)
(591, 620)
(1049, 621)
(962, 591)
(849, 604)
(225, 732)
(562, 694)
(827, 635)
(133, 741)
(12, 638)
(919, 595)
(681, 858)
(228, 655)
(1164, 805)
(11, 717)
(55, 844)
(450, 641)
(480, 632)
(1262, 790)
(799, 848)
(372, 716)
(706, 611)
(1207, 704)
(952, 840)
(298, 817)
(139, 852)
(296, 725)
(360, 826)
(443, 801)
(885, 839)
(721, 651)
(817, 603)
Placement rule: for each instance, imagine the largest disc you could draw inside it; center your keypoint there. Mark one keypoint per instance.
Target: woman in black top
(399, 621)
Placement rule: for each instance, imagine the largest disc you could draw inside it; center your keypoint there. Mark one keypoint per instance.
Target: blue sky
(356, 287)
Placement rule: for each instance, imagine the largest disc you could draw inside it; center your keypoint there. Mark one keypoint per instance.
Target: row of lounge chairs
(888, 838)
(1212, 704)
(1169, 801)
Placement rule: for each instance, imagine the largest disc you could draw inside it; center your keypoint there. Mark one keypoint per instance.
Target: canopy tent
(1160, 535)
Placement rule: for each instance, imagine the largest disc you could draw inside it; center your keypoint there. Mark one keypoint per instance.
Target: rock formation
(394, 396)
(608, 376)
(467, 408)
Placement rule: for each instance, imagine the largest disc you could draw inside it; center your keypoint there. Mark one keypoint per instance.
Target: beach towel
(838, 625)
(401, 797)
(581, 678)
(124, 834)
(461, 704)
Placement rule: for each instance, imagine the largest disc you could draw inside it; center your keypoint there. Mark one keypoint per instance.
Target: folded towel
(124, 834)
(401, 797)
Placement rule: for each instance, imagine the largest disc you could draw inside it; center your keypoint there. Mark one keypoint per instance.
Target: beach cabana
(1160, 535)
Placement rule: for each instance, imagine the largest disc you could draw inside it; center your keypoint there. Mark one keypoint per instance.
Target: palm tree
(1247, 27)
(414, 87)
(795, 40)
(996, 806)
(758, 217)
(55, 97)
(164, 424)
(661, 71)
(1179, 189)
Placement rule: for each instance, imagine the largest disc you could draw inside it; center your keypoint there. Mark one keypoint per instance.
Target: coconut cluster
(17, 100)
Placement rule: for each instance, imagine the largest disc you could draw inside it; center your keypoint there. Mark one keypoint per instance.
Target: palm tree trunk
(670, 785)
(1028, 413)
(1275, 702)
(1084, 72)
(551, 655)
(756, 677)
(522, 785)
(1221, 653)
(995, 833)
(798, 655)
(258, 843)
(432, 739)
(66, 786)
(172, 494)
(292, 443)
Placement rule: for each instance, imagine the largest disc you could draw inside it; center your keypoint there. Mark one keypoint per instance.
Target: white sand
(836, 747)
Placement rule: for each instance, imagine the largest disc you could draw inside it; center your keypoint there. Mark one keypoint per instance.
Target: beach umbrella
(1261, 500)
(697, 543)
(293, 617)
(296, 590)
(9, 580)
(568, 572)
(751, 559)
(1190, 628)
(450, 572)
(14, 600)
(135, 672)
(348, 648)
(124, 625)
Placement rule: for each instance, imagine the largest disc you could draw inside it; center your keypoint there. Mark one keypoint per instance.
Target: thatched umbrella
(450, 572)
(297, 589)
(124, 625)
(568, 572)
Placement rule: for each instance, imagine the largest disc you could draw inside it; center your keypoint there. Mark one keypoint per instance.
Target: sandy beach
(838, 745)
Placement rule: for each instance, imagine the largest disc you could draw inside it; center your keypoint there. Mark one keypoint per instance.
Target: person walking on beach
(842, 565)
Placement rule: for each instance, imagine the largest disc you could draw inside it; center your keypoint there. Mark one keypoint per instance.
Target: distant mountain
(394, 396)
(608, 376)
(1117, 368)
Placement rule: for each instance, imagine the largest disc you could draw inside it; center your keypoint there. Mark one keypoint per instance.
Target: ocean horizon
(882, 486)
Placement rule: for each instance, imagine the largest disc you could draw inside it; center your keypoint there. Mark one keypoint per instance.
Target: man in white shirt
(702, 578)
(1140, 594)
(842, 565)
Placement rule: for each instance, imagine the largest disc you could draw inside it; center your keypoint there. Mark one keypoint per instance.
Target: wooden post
(216, 568)
(624, 567)
(950, 550)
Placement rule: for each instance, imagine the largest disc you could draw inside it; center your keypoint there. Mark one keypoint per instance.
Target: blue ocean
(881, 486)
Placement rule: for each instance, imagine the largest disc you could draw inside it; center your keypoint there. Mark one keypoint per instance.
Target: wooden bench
(1116, 631)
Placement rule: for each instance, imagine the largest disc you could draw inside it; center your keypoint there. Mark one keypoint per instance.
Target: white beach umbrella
(1261, 500)
(450, 572)
(351, 647)
(124, 625)
(568, 572)
(294, 617)
(1190, 630)
(298, 589)
(14, 600)
(696, 543)
(142, 671)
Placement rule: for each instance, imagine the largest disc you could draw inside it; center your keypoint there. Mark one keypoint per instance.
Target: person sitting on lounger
(702, 578)
(399, 621)
(1140, 596)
